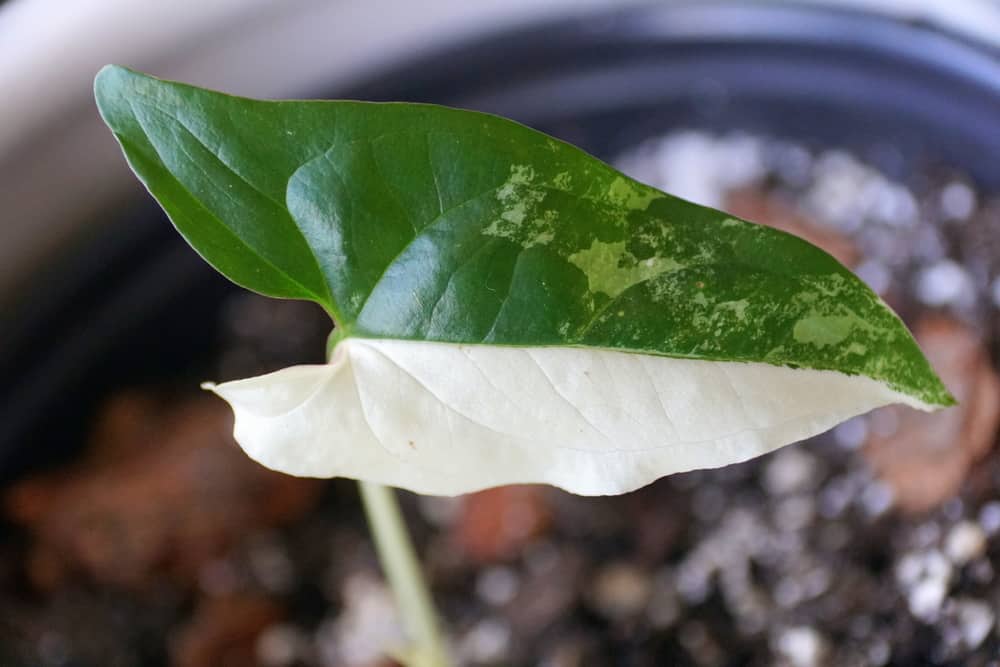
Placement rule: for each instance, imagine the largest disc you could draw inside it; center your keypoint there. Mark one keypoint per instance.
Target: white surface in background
(50, 50)
(979, 19)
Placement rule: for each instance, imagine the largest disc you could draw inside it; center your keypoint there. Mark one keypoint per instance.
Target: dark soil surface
(876, 544)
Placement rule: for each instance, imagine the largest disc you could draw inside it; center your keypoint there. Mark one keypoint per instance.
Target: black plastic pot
(136, 304)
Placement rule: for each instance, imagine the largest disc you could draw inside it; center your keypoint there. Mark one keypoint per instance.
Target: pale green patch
(611, 269)
(562, 180)
(521, 175)
(631, 195)
(668, 291)
(738, 308)
(823, 330)
(706, 255)
(663, 237)
(516, 213)
(732, 222)
(542, 238)
(543, 229)
(520, 220)
(804, 298)
(831, 285)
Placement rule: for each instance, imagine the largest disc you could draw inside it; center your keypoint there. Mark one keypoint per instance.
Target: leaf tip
(107, 77)
(948, 400)
(108, 84)
(108, 70)
(112, 84)
(938, 397)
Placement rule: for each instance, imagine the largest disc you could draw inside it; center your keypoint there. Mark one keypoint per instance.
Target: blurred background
(134, 532)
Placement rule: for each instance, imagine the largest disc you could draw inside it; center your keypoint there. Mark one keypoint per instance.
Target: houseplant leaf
(508, 308)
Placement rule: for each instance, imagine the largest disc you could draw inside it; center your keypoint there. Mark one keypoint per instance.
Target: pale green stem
(402, 569)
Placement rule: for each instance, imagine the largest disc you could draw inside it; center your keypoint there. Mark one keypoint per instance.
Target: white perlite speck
(943, 283)
(789, 471)
(877, 498)
(687, 164)
(851, 434)
(925, 577)
(280, 645)
(975, 619)
(965, 542)
(497, 585)
(989, 517)
(958, 201)
(365, 629)
(926, 597)
(802, 646)
(488, 641)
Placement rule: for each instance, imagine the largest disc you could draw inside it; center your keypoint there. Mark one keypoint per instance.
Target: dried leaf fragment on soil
(163, 489)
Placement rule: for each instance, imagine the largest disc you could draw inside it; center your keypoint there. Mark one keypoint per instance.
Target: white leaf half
(444, 419)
